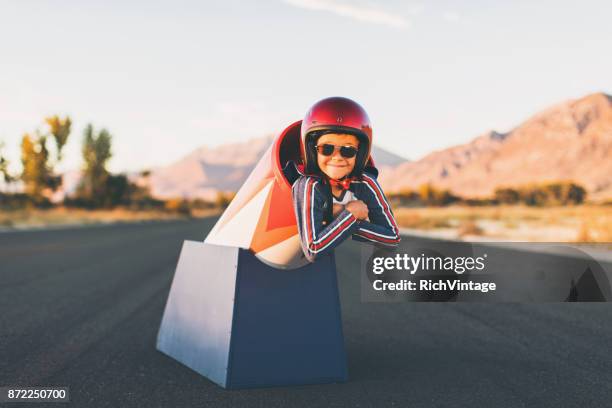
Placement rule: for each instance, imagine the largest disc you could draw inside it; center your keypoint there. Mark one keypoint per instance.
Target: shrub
(178, 205)
(429, 195)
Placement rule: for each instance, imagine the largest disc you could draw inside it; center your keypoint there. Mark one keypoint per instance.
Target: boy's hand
(358, 209)
(338, 208)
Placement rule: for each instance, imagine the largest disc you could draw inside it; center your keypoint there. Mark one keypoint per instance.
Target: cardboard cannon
(261, 217)
(245, 308)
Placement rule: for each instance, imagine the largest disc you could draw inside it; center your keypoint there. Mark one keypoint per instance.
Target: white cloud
(369, 13)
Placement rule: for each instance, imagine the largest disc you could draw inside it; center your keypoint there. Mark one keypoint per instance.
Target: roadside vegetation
(546, 212)
(578, 223)
(533, 195)
(30, 198)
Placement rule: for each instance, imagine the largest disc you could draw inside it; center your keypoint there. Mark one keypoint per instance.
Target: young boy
(338, 196)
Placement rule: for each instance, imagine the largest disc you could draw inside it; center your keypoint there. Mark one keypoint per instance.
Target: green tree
(178, 205)
(4, 163)
(533, 196)
(574, 193)
(37, 176)
(224, 199)
(429, 195)
(553, 193)
(506, 195)
(60, 130)
(96, 152)
(118, 190)
(38, 173)
(140, 192)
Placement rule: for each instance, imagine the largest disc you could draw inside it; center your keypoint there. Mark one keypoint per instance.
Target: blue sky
(167, 77)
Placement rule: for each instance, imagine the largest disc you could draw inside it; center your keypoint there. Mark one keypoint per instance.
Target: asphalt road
(81, 308)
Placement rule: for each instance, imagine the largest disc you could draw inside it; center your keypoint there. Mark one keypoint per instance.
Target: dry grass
(412, 219)
(69, 216)
(584, 223)
(469, 227)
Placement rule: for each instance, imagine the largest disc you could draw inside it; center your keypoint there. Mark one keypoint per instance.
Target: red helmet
(338, 115)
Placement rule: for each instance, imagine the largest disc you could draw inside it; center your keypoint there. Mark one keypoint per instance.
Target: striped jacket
(311, 201)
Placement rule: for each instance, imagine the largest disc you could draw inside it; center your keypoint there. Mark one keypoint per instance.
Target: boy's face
(336, 166)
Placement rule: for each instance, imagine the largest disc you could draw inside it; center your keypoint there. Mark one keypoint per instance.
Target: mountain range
(569, 141)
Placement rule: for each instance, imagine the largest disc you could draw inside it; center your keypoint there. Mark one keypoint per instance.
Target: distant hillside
(568, 141)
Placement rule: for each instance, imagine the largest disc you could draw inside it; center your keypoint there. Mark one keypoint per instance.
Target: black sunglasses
(345, 151)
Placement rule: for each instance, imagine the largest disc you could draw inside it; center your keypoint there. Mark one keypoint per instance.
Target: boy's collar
(345, 183)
